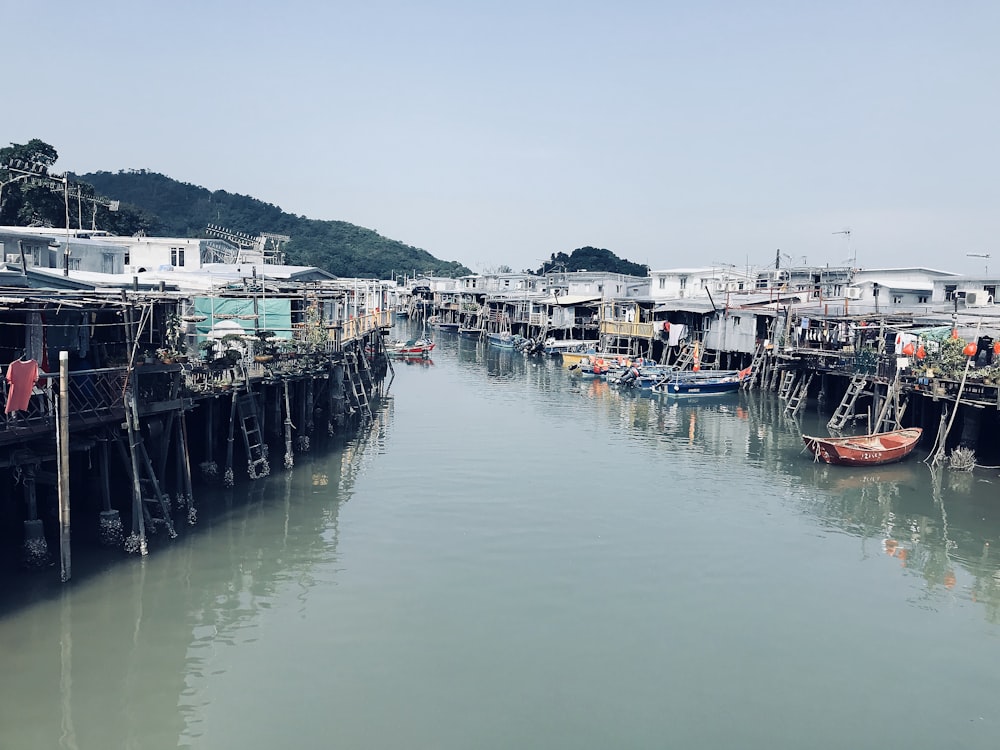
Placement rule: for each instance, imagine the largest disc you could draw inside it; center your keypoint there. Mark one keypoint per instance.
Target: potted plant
(265, 349)
(206, 347)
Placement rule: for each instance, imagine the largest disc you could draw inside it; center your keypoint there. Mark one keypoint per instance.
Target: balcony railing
(95, 397)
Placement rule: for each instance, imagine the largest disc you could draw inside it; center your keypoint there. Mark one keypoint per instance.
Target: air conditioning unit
(853, 292)
(977, 299)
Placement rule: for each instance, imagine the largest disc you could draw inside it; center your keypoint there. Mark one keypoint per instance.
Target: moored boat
(865, 450)
(698, 384)
(421, 347)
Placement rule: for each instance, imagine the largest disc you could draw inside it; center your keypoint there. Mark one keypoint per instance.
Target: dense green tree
(592, 259)
(27, 194)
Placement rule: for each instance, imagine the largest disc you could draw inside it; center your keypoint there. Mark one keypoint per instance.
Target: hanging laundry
(21, 375)
(902, 339)
(678, 331)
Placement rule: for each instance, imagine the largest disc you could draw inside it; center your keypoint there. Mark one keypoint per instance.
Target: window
(177, 256)
(684, 282)
(128, 257)
(897, 299)
(949, 292)
(922, 299)
(663, 282)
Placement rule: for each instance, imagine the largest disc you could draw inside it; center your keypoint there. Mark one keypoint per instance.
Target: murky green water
(514, 557)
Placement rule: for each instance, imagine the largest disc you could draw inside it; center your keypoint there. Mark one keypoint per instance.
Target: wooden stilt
(228, 479)
(289, 456)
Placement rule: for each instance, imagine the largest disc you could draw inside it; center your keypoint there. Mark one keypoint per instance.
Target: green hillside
(184, 210)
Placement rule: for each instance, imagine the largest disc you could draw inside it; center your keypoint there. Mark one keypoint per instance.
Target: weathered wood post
(110, 531)
(36, 548)
(62, 444)
(289, 455)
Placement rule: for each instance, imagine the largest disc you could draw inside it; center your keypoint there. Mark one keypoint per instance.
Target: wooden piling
(62, 445)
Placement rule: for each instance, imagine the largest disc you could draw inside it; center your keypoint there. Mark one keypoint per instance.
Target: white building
(897, 288)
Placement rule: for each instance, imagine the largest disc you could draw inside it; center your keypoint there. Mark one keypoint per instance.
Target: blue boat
(699, 384)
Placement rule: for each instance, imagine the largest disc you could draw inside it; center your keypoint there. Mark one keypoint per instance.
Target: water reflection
(103, 662)
(936, 523)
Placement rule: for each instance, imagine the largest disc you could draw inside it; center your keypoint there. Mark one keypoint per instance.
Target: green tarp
(271, 315)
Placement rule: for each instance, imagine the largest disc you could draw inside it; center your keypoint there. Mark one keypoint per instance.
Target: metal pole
(62, 441)
(65, 180)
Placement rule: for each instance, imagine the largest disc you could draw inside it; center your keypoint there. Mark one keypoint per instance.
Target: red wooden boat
(865, 450)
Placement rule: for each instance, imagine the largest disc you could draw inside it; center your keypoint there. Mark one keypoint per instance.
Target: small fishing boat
(865, 450)
(703, 383)
(421, 347)
(503, 340)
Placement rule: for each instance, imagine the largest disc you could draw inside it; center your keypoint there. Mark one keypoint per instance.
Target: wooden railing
(625, 329)
(95, 396)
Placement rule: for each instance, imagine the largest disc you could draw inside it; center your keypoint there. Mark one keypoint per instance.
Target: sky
(674, 134)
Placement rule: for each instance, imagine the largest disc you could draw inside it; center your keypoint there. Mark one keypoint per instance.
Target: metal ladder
(253, 441)
(845, 409)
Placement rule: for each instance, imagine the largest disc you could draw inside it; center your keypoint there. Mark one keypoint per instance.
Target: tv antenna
(267, 244)
(852, 257)
(986, 256)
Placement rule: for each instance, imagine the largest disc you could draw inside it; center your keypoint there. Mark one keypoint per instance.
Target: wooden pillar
(62, 459)
(110, 532)
(228, 478)
(184, 459)
(289, 455)
(36, 548)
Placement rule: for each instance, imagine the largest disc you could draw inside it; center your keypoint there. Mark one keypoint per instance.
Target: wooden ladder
(797, 399)
(756, 368)
(789, 379)
(152, 496)
(360, 396)
(845, 410)
(890, 416)
(253, 440)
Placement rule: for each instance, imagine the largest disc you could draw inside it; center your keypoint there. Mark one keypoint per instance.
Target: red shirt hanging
(21, 375)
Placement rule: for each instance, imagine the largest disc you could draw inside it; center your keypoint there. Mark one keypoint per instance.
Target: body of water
(517, 557)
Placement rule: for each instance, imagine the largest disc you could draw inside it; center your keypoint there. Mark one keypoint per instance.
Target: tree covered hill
(184, 210)
(592, 259)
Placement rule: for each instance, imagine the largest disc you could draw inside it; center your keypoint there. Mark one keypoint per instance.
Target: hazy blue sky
(671, 133)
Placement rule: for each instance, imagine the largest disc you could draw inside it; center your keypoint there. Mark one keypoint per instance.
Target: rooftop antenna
(853, 257)
(981, 255)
